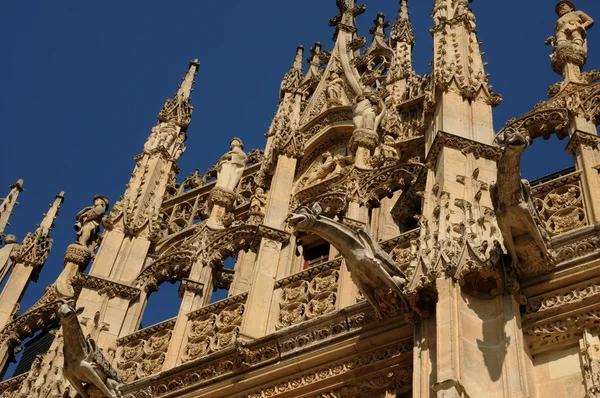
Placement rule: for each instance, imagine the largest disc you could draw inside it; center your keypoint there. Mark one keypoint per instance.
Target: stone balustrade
(308, 294)
(214, 327)
(143, 353)
(560, 203)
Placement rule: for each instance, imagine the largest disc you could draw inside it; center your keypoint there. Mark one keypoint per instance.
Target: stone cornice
(108, 288)
(581, 139)
(191, 286)
(571, 178)
(218, 306)
(146, 332)
(389, 244)
(297, 343)
(309, 273)
(465, 145)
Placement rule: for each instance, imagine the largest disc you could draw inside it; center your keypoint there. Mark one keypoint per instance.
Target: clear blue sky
(82, 83)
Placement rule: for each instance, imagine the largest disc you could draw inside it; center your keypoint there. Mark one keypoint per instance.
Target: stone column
(28, 262)
(269, 258)
(7, 205)
(586, 153)
(194, 295)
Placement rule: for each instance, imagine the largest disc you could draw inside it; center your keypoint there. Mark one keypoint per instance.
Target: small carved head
(513, 138)
(9, 239)
(303, 218)
(101, 200)
(236, 142)
(564, 7)
(66, 310)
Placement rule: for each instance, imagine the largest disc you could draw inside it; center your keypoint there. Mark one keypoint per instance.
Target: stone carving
(85, 366)
(371, 268)
(231, 166)
(142, 353)
(7, 255)
(440, 11)
(570, 40)
(288, 387)
(368, 111)
(214, 328)
(334, 90)
(323, 170)
(308, 294)
(88, 222)
(525, 235)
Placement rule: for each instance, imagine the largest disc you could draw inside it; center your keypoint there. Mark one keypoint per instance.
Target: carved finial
(380, 25)
(345, 20)
(291, 80)
(402, 30)
(185, 90)
(7, 205)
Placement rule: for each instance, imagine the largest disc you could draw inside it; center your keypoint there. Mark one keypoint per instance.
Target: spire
(8, 204)
(402, 40)
(291, 80)
(380, 25)
(178, 109)
(402, 31)
(36, 246)
(186, 89)
(48, 221)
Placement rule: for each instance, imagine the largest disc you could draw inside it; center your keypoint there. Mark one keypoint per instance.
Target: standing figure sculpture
(440, 11)
(88, 222)
(334, 89)
(368, 111)
(572, 26)
(231, 166)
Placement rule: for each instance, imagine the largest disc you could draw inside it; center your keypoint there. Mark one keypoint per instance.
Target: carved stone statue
(368, 111)
(388, 149)
(88, 222)
(572, 25)
(7, 254)
(84, 364)
(462, 6)
(258, 201)
(321, 171)
(440, 11)
(334, 89)
(371, 268)
(231, 166)
(525, 235)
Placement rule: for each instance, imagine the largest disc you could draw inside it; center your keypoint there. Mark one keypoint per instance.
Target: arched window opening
(162, 305)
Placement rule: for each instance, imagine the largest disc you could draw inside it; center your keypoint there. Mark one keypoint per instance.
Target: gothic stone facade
(384, 242)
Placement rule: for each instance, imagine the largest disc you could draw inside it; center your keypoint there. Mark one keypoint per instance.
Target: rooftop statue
(231, 166)
(88, 222)
(572, 25)
(570, 40)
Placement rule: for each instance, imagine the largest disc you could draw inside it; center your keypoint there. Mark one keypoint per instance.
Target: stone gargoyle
(85, 366)
(525, 235)
(371, 268)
